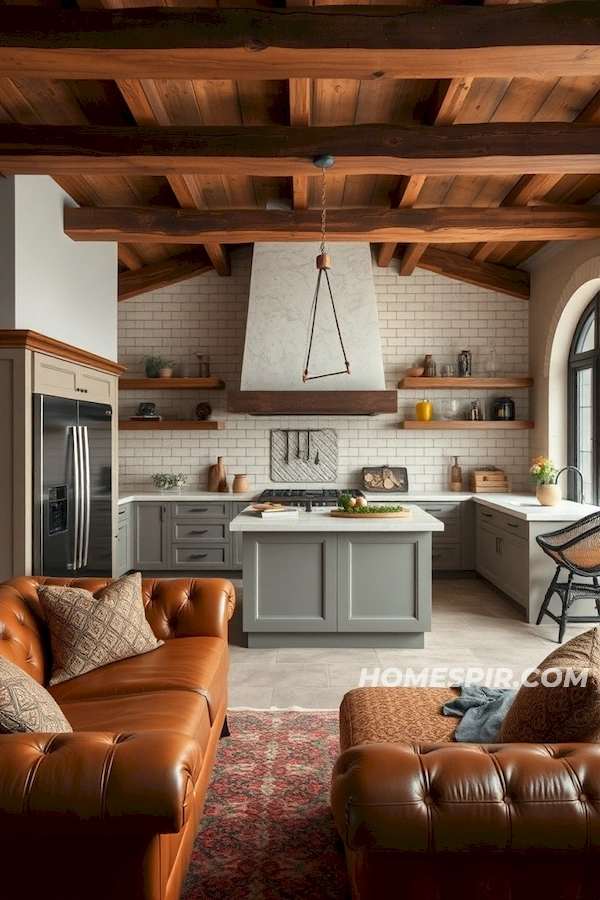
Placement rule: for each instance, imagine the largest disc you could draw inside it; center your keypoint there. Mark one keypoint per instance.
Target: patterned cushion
(88, 631)
(561, 713)
(373, 715)
(25, 705)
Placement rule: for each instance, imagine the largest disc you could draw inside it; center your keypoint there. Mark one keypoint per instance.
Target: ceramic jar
(424, 411)
(548, 494)
(240, 484)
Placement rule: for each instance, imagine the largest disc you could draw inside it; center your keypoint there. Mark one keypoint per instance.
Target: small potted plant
(543, 474)
(159, 367)
(167, 482)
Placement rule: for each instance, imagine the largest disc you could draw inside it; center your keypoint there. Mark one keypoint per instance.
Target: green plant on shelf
(155, 363)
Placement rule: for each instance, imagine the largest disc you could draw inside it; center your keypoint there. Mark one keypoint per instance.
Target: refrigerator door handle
(81, 477)
(87, 492)
(74, 429)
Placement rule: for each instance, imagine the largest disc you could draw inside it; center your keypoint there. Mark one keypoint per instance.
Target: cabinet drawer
(199, 557)
(200, 532)
(442, 511)
(54, 376)
(513, 525)
(97, 385)
(445, 556)
(199, 510)
(450, 534)
(123, 512)
(487, 515)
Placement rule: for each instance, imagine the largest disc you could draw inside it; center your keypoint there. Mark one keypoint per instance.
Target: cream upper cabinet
(63, 378)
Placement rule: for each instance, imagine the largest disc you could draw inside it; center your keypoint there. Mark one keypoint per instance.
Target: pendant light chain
(323, 267)
(323, 212)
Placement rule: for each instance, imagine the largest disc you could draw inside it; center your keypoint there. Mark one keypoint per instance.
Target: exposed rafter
(500, 149)
(320, 42)
(441, 225)
(160, 274)
(506, 280)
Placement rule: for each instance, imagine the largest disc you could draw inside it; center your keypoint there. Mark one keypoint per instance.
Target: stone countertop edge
(321, 520)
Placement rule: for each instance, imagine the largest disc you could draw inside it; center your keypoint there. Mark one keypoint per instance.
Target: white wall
(424, 313)
(64, 289)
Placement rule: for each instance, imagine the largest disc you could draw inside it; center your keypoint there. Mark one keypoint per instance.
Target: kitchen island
(319, 581)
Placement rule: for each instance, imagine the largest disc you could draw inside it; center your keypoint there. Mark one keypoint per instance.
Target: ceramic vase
(223, 486)
(548, 494)
(240, 484)
(424, 411)
(213, 478)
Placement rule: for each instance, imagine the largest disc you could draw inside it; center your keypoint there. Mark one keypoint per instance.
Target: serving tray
(342, 514)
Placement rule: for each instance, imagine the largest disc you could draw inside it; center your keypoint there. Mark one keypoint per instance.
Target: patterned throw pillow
(25, 705)
(560, 713)
(88, 631)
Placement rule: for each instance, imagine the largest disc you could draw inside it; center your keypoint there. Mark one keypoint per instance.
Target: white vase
(548, 494)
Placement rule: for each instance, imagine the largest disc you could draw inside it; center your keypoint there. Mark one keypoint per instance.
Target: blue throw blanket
(482, 710)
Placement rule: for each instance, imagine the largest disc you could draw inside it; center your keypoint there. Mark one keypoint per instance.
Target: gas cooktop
(307, 497)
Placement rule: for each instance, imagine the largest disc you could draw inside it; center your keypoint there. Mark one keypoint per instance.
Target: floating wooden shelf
(171, 384)
(178, 425)
(425, 384)
(442, 424)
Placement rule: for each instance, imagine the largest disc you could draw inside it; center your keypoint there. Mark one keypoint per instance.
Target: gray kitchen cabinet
(446, 552)
(124, 556)
(151, 546)
(306, 565)
(237, 542)
(337, 589)
(199, 535)
(508, 555)
(383, 582)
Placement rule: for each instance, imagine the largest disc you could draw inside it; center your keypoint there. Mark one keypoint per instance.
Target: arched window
(584, 396)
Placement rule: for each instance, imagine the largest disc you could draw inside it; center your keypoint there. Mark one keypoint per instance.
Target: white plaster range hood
(282, 285)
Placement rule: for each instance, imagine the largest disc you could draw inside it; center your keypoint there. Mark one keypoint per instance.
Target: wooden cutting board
(342, 514)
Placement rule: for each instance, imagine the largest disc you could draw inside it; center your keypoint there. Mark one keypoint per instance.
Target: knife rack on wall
(304, 455)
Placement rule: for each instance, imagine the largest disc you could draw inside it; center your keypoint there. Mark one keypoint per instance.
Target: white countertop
(321, 520)
(522, 505)
(525, 506)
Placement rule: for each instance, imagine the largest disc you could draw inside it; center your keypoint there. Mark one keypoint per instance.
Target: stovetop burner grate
(307, 496)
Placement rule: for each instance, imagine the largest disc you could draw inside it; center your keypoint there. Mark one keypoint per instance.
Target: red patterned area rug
(267, 831)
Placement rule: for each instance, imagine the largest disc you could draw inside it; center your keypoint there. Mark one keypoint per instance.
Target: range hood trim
(312, 403)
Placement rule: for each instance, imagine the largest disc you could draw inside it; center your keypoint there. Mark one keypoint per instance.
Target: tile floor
(472, 626)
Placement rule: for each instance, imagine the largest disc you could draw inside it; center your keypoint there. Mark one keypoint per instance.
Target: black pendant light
(323, 266)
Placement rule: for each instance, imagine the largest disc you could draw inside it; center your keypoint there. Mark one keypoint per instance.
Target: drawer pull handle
(432, 509)
(198, 555)
(512, 524)
(486, 515)
(435, 555)
(203, 531)
(203, 509)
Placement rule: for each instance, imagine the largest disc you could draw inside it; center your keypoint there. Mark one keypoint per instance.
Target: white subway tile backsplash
(423, 313)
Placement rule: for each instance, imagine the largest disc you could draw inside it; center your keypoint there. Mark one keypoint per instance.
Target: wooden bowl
(415, 372)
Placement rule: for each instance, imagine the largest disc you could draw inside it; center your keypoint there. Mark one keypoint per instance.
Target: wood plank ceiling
(243, 194)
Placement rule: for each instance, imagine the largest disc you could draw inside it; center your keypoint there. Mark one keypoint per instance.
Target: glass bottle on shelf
(429, 367)
(203, 365)
(490, 366)
(456, 476)
(475, 413)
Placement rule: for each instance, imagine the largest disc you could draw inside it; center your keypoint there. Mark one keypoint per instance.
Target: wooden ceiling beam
(506, 280)
(274, 150)
(161, 274)
(364, 42)
(448, 100)
(440, 225)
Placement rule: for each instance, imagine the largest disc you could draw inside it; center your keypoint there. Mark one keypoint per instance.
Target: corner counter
(315, 580)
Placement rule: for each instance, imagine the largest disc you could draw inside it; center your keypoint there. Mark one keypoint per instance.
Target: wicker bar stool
(575, 548)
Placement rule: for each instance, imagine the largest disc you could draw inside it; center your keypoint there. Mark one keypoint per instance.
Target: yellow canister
(424, 411)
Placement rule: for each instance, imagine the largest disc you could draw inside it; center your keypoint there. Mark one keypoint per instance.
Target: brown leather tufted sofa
(438, 820)
(111, 811)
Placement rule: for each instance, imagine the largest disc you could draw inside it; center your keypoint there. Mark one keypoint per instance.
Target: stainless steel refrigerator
(72, 491)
